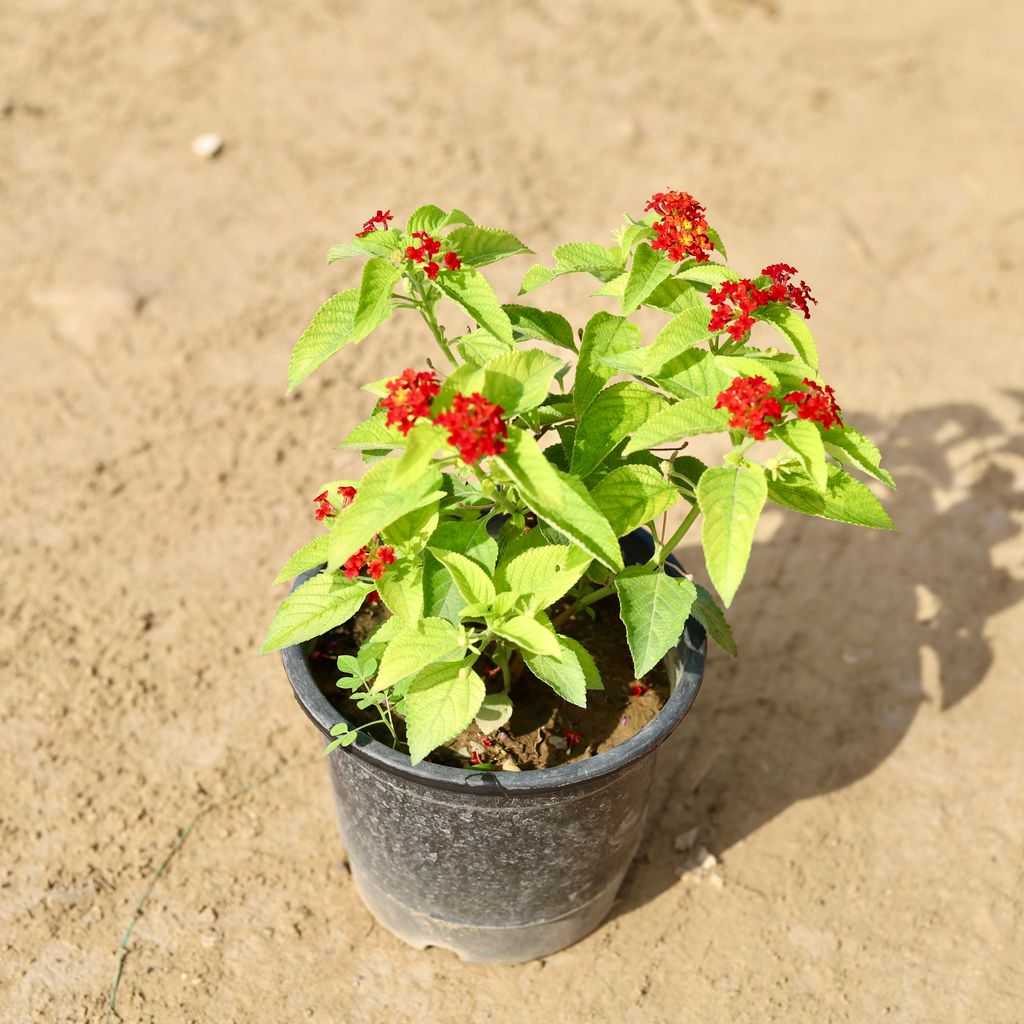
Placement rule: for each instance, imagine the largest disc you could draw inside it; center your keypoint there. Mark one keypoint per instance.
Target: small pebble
(207, 145)
(508, 766)
(717, 881)
(685, 840)
(706, 860)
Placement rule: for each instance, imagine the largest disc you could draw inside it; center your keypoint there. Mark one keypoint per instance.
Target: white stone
(685, 840)
(207, 145)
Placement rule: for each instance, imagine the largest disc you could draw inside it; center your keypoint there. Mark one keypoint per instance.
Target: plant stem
(583, 602)
(427, 311)
(668, 547)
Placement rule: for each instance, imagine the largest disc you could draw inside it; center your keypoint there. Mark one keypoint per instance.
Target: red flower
(637, 689)
(431, 246)
(324, 508)
(474, 426)
(378, 564)
(474, 757)
(354, 565)
(487, 741)
(796, 296)
(381, 217)
(409, 397)
(816, 403)
(752, 406)
(414, 253)
(373, 597)
(348, 495)
(735, 319)
(452, 261)
(432, 268)
(682, 230)
(572, 737)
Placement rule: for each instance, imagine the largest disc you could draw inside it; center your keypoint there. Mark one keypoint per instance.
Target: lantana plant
(503, 473)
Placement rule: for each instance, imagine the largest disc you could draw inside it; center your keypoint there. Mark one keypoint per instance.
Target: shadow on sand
(835, 626)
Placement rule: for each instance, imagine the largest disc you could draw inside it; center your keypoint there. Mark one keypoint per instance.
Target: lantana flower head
(348, 495)
(324, 509)
(752, 406)
(475, 426)
(381, 217)
(409, 398)
(817, 403)
(384, 557)
(682, 230)
(426, 250)
(731, 305)
(797, 296)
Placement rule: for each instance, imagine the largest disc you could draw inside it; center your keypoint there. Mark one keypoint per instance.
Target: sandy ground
(857, 773)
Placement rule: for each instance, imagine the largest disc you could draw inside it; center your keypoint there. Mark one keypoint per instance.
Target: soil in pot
(544, 731)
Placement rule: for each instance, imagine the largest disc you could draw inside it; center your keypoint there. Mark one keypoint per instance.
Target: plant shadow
(844, 634)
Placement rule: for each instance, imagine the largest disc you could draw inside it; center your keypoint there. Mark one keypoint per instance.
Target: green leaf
(802, 438)
(493, 713)
(615, 288)
(653, 607)
(401, 590)
(378, 503)
(543, 573)
(850, 447)
(716, 241)
(712, 274)
(692, 375)
(441, 597)
(309, 556)
(442, 700)
(373, 434)
(470, 290)
(478, 246)
(520, 380)
(742, 366)
(467, 538)
(536, 277)
(465, 379)
(565, 674)
(791, 325)
(542, 324)
(633, 495)
(684, 331)
(632, 233)
(588, 258)
(410, 532)
(605, 335)
(561, 500)
(474, 584)
(845, 501)
(649, 269)
(731, 500)
(529, 635)
(321, 603)
(429, 218)
(615, 413)
(676, 296)
(480, 346)
(422, 443)
(427, 641)
(330, 330)
(375, 304)
(712, 618)
(455, 216)
(376, 243)
(687, 418)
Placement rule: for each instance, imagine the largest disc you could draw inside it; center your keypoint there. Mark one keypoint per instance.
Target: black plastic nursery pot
(499, 867)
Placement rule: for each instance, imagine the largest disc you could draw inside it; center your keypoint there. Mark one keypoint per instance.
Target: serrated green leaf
(529, 635)
(480, 347)
(442, 700)
(604, 335)
(309, 556)
(536, 277)
(311, 609)
(851, 447)
(330, 330)
(653, 607)
(565, 674)
(614, 414)
(401, 590)
(441, 597)
(427, 641)
(429, 218)
(410, 533)
(712, 274)
(474, 584)
(456, 216)
(633, 495)
(478, 246)
(801, 437)
(681, 333)
(376, 243)
(614, 288)
(469, 289)
(493, 713)
(541, 324)
(648, 270)
(375, 304)
(706, 611)
(464, 379)
(845, 501)
(730, 500)
(742, 366)
(676, 296)
(630, 235)
(791, 325)
(373, 434)
(559, 499)
(519, 381)
(422, 443)
(467, 538)
(589, 258)
(542, 574)
(687, 418)
(692, 375)
(716, 241)
(378, 503)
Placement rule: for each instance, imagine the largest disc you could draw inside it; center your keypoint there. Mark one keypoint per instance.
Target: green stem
(427, 311)
(669, 546)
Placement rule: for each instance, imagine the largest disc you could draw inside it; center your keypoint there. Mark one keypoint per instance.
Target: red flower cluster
(783, 290)
(426, 250)
(348, 495)
(745, 299)
(683, 229)
(375, 566)
(474, 426)
(409, 398)
(325, 510)
(381, 217)
(816, 403)
(752, 406)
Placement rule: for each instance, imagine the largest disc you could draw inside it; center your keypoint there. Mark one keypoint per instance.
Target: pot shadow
(844, 634)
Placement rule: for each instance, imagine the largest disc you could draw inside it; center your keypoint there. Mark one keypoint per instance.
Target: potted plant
(506, 531)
